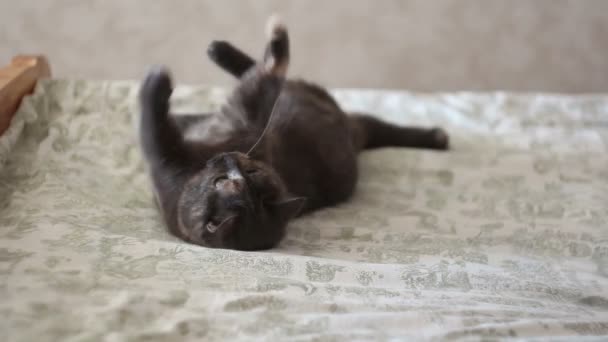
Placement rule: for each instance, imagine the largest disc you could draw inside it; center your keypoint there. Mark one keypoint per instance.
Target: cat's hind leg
(369, 132)
(276, 55)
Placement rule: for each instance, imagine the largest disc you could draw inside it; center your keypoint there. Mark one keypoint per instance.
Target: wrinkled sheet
(505, 236)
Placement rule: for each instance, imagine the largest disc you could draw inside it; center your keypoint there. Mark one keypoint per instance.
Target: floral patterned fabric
(503, 237)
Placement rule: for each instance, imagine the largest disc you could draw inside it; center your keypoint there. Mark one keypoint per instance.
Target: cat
(288, 149)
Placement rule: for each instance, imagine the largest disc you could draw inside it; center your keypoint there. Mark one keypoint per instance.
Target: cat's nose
(235, 174)
(232, 186)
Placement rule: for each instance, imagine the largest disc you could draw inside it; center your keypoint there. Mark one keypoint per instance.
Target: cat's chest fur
(212, 129)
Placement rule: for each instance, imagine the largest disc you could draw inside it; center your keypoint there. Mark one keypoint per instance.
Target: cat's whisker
(226, 220)
(274, 107)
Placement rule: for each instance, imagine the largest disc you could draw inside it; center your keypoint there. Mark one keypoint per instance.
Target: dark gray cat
(289, 149)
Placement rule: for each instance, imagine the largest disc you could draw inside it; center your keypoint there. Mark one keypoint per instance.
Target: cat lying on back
(290, 150)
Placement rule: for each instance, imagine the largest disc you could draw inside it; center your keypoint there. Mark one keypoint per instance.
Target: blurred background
(440, 45)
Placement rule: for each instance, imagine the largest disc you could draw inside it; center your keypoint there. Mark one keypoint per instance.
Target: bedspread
(503, 237)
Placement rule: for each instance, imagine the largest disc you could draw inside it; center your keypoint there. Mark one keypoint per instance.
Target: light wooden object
(17, 80)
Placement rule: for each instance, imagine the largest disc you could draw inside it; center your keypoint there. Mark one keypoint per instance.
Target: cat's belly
(325, 174)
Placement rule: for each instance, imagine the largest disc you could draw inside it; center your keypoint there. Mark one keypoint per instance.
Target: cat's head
(236, 202)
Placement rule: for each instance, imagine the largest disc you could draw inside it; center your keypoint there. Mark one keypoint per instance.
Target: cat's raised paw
(218, 49)
(441, 140)
(157, 86)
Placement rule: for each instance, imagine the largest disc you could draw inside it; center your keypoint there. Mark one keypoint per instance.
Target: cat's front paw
(157, 86)
(440, 139)
(218, 50)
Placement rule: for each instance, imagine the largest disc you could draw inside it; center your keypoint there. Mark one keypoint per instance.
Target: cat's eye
(211, 227)
(252, 171)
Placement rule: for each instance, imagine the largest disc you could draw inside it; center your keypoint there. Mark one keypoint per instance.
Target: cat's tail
(276, 56)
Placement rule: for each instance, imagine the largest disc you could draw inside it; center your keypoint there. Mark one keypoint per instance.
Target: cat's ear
(290, 207)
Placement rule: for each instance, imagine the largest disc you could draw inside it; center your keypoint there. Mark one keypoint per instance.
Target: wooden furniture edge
(17, 80)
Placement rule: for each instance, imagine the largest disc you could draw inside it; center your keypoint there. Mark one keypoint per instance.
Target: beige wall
(550, 45)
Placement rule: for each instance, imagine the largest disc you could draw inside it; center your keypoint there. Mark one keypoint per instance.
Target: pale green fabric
(505, 236)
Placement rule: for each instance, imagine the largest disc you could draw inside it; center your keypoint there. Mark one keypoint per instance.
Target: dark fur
(213, 194)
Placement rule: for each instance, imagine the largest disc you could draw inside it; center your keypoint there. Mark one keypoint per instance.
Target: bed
(503, 237)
